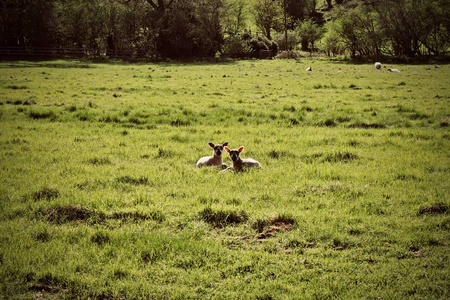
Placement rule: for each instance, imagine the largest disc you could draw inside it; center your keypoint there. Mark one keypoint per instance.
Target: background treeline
(230, 28)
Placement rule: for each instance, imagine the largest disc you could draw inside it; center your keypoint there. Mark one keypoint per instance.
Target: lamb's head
(218, 148)
(234, 154)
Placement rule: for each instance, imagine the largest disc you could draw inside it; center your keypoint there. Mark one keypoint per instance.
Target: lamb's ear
(227, 149)
(241, 148)
(211, 145)
(225, 144)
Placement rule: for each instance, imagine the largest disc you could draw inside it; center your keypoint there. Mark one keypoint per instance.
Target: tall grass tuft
(45, 193)
(222, 218)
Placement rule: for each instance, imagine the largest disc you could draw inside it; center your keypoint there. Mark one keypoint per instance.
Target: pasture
(100, 197)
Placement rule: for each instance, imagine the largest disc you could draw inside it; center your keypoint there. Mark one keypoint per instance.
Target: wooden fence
(69, 52)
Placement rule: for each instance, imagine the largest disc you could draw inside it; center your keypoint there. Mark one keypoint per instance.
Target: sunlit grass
(100, 196)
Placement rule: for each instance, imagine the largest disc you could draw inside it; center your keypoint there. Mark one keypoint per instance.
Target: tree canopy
(235, 28)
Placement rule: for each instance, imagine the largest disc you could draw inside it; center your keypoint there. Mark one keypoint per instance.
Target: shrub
(292, 39)
(236, 47)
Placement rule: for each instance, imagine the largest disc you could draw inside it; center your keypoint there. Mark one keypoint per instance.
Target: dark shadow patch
(16, 87)
(120, 274)
(180, 123)
(96, 161)
(101, 238)
(355, 231)
(136, 216)
(339, 244)
(45, 193)
(222, 218)
(150, 256)
(65, 214)
(328, 123)
(405, 177)
(280, 154)
(131, 180)
(44, 114)
(367, 125)
(289, 108)
(336, 157)
(433, 209)
(418, 116)
(163, 153)
(42, 236)
(47, 283)
(90, 185)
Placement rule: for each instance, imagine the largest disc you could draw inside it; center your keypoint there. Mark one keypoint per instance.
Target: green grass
(100, 196)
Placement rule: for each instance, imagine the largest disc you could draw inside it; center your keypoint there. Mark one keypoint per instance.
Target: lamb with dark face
(238, 162)
(215, 159)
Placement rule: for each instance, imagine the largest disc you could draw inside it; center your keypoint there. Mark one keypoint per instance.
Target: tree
(27, 23)
(158, 5)
(310, 32)
(292, 41)
(332, 43)
(207, 32)
(299, 10)
(359, 30)
(234, 17)
(267, 15)
(411, 25)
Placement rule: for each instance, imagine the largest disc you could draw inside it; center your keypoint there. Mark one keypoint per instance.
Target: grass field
(100, 197)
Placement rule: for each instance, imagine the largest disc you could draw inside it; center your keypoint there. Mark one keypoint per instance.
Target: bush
(248, 45)
(236, 47)
(262, 43)
(292, 42)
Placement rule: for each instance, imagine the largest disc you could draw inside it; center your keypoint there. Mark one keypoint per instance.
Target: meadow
(100, 197)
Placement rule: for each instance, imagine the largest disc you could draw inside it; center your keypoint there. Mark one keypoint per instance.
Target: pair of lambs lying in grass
(216, 158)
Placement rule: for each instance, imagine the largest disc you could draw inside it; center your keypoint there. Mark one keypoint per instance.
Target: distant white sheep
(309, 69)
(215, 159)
(239, 163)
(378, 65)
(394, 70)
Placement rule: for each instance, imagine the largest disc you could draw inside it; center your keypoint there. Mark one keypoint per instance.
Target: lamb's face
(234, 154)
(218, 149)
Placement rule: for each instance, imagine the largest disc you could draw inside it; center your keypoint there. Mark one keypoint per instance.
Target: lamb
(309, 69)
(394, 70)
(239, 163)
(378, 65)
(215, 159)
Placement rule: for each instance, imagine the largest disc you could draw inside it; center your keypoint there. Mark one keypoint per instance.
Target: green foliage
(401, 28)
(205, 28)
(309, 32)
(292, 41)
(236, 47)
(267, 15)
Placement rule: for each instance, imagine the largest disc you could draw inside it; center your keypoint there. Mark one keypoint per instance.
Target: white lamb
(378, 65)
(215, 159)
(239, 163)
(394, 70)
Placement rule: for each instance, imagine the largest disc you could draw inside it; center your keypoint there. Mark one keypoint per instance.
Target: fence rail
(70, 52)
